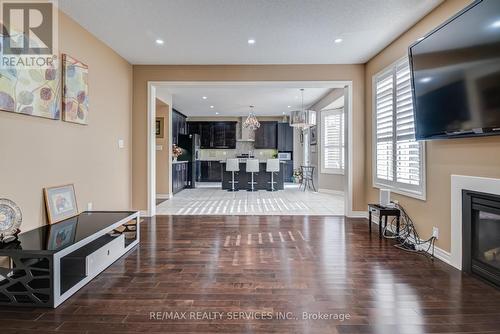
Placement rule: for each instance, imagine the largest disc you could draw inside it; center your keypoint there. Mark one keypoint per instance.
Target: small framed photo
(160, 125)
(62, 235)
(60, 203)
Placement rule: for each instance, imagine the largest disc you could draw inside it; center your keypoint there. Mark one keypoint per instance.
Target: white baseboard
(438, 252)
(330, 191)
(357, 214)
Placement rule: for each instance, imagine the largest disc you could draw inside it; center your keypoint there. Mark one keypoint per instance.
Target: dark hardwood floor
(291, 264)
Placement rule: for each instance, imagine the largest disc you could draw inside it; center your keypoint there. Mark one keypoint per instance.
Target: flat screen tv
(456, 75)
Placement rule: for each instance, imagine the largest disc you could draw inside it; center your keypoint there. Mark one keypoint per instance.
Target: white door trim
(151, 163)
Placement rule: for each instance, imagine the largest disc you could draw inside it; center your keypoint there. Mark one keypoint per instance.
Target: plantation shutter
(384, 126)
(398, 163)
(407, 149)
(333, 140)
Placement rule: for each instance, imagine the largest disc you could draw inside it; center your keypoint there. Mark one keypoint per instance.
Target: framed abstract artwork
(33, 92)
(60, 203)
(75, 90)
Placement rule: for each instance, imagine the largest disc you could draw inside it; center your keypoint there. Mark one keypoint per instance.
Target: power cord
(408, 237)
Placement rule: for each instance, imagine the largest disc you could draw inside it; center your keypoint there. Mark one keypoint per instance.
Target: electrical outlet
(121, 143)
(435, 232)
(89, 206)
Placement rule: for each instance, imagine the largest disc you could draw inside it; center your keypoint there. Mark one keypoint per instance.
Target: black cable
(408, 235)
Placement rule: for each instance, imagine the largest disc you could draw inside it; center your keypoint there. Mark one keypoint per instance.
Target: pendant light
(251, 122)
(302, 119)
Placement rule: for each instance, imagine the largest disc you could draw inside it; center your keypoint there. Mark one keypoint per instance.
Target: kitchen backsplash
(241, 148)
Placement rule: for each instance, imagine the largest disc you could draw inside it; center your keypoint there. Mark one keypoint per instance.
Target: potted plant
(176, 151)
(297, 175)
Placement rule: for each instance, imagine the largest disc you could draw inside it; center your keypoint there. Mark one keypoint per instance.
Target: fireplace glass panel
(486, 238)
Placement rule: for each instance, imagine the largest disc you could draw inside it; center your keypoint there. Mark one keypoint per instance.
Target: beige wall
(38, 152)
(162, 157)
(145, 73)
(474, 156)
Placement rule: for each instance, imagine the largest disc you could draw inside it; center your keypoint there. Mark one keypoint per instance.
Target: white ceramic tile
(210, 200)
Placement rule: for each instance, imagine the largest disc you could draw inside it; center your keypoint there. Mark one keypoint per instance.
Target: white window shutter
(398, 163)
(407, 149)
(333, 150)
(384, 126)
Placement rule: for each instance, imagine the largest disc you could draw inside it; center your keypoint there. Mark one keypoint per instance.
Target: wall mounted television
(455, 73)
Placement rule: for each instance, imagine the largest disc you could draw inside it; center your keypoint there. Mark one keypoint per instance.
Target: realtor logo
(28, 33)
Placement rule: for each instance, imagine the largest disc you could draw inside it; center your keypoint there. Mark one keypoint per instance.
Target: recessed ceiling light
(204, 97)
(160, 42)
(426, 79)
(216, 113)
(283, 112)
(211, 107)
(338, 40)
(496, 24)
(251, 41)
(289, 106)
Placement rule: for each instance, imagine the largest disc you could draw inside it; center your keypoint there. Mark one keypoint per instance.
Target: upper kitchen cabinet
(266, 135)
(179, 125)
(194, 128)
(215, 134)
(285, 137)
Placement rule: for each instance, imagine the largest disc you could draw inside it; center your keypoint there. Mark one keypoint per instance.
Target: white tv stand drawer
(104, 256)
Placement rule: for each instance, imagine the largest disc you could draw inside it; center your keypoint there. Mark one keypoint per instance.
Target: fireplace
(481, 235)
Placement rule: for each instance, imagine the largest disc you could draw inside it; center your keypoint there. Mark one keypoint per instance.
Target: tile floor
(211, 200)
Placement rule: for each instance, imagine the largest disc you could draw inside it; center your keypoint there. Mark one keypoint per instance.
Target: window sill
(408, 193)
(332, 172)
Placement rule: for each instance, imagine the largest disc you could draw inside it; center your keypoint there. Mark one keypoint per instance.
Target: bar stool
(232, 165)
(252, 167)
(307, 177)
(272, 166)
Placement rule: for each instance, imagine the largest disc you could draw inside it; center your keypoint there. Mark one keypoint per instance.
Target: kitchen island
(262, 177)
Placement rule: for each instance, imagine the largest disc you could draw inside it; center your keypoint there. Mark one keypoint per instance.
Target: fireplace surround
(481, 235)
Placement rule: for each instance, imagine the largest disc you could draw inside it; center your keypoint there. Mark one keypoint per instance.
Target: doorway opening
(308, 146)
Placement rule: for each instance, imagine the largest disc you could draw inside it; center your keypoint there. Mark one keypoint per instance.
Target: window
(332, 141)
(399, 159)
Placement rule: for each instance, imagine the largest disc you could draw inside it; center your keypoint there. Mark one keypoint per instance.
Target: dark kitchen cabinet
(206, 135)
(285, 137)
(179, 176)
(193, 128)
(211, 171)
(215, 134)
(179, 125)
(224, 135)
(287, 171)
(266, 135)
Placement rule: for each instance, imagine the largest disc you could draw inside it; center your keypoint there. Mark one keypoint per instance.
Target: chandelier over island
(251, 122)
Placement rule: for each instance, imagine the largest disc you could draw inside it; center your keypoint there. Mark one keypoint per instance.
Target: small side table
(383, 213)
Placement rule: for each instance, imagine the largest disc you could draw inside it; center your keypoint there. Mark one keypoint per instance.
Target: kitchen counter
(262, 177)
(263, 161)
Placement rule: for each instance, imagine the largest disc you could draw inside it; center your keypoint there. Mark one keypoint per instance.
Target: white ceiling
(235, 100)
(216, 31)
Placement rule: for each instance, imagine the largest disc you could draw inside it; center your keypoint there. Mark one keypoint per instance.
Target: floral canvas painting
(32, 92)
(75, 91)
